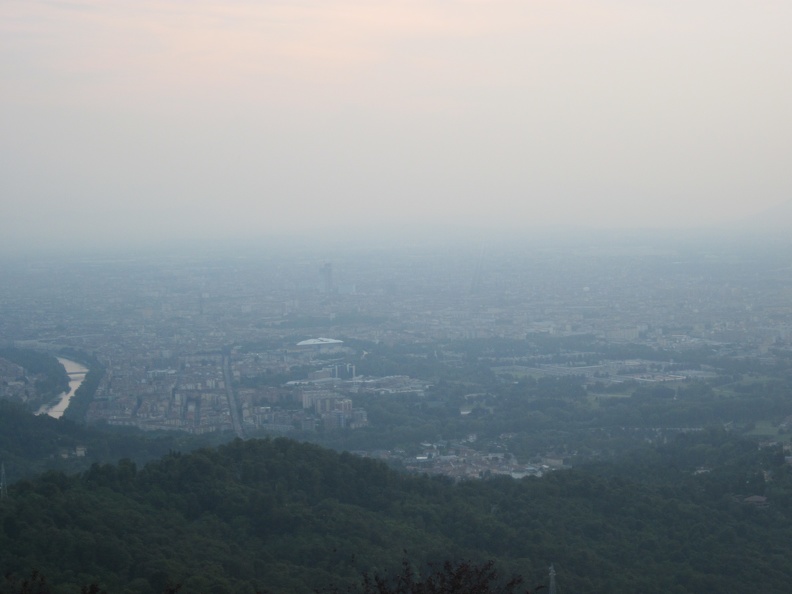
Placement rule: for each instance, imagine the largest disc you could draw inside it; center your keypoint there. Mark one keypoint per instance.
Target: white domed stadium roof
(319, 341)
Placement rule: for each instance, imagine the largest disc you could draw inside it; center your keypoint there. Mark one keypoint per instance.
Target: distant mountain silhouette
(775, 219)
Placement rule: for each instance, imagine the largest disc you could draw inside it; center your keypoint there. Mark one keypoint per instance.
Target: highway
(232, 402)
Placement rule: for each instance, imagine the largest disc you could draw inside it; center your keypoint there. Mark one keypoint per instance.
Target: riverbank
(76, 372)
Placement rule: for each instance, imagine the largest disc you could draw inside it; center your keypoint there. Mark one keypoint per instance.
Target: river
(76, 373)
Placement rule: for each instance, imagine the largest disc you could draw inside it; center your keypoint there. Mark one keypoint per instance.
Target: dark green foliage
(35, 584)
(277, 515)
(464, 577)
(32, 444)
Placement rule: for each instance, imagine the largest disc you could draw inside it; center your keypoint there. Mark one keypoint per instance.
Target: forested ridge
(50, 377)
(32, 444)
(279, 515)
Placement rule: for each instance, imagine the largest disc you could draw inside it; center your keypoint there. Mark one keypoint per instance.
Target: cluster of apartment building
(14, 383)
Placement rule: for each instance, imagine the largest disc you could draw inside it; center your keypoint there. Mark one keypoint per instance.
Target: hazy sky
(126, 119)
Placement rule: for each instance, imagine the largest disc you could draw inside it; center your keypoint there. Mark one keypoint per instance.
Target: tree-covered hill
(32, 444)
(284, 516)
(48, 378)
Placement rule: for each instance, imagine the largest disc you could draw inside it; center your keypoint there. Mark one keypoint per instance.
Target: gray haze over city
(221, 182)
(295, 341)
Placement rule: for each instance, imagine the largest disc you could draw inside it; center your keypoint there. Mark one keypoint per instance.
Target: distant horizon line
(417, 236)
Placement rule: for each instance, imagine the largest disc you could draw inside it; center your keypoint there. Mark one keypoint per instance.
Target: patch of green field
(595, 400)
(518, 372)
(594, 396)
(768, 429)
